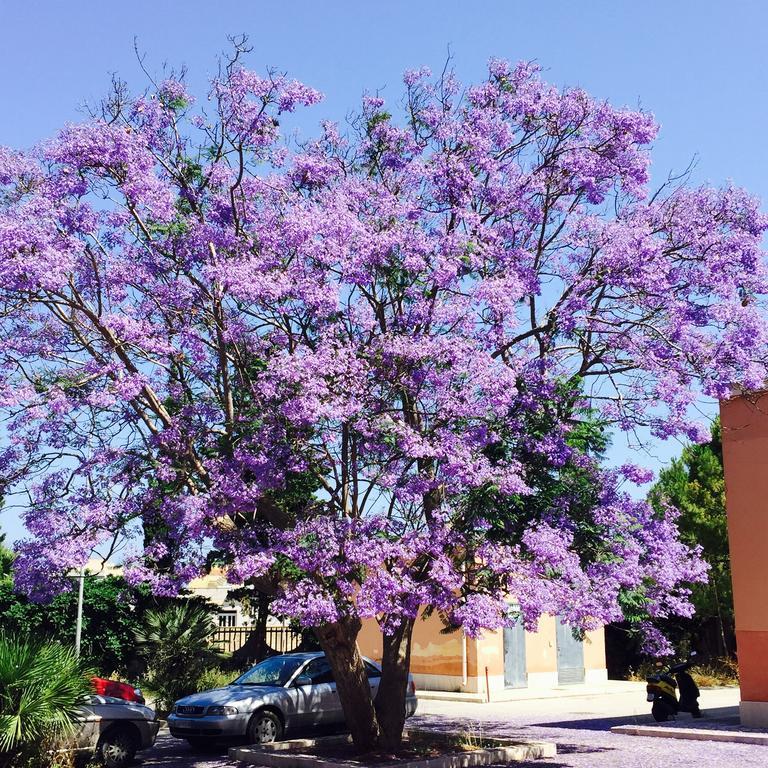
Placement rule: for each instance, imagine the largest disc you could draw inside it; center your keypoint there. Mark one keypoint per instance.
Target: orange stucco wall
(369, 640)
(436, 654)
(594, 650)
(541, 647)
(745, 458)
(432, 653)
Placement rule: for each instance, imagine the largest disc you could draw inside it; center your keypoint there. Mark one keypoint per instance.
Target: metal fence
(279, 639)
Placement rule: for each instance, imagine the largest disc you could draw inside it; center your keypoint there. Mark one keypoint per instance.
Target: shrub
(215, 677)
(177, 645)
(719, 672)
(112, 611)
(41, 684)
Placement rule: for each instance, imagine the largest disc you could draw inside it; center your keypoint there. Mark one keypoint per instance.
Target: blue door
(515, 673)
(570, 655)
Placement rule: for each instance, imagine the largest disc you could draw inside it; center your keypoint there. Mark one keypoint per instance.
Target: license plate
(186, 725)
(650, 697)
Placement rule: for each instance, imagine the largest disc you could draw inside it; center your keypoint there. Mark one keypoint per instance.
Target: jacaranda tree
(414, 314)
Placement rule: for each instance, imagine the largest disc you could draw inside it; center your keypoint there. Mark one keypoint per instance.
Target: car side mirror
(302, 680)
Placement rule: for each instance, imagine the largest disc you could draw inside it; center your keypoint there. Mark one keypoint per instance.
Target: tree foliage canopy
(112, 611)
(408, 314)
(695, 485)
(6, 560)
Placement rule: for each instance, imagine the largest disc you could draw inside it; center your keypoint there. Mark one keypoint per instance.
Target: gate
(279, 639)
(570, 655)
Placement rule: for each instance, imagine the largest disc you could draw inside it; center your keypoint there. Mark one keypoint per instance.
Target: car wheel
(265, 727)
(117, 748)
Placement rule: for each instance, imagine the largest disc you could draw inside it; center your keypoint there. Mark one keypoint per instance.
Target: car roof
(299, 655)
(306, 655)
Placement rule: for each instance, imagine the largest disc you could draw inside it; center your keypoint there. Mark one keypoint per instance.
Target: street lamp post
(79, 624)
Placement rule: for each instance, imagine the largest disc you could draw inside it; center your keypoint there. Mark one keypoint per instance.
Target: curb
(521, 694)
(505, 751)
(693, 734)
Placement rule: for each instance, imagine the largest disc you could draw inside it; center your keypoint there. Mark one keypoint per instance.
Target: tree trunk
(720, 624)
(255, 647)
(390, 700)
(339, 641)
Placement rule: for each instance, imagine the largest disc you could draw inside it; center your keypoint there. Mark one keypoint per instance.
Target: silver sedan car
(293, 691)
(114, 730)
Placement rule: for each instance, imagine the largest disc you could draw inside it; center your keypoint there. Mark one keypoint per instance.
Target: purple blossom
(385, 312)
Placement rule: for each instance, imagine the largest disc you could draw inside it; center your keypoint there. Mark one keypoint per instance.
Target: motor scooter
(662, 691)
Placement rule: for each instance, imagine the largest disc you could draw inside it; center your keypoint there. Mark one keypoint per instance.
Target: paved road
(175, 753)
(579, 725)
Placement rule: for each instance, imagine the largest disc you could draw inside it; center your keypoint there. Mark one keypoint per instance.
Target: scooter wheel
(661, 711)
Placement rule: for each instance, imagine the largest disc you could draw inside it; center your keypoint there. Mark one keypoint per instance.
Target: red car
(125, 691)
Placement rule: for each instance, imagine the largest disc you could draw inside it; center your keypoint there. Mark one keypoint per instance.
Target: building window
(228, 619)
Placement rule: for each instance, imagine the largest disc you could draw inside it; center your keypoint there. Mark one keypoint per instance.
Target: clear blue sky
(698, 65)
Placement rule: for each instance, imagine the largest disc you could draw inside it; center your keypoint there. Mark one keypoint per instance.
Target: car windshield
(275, 671)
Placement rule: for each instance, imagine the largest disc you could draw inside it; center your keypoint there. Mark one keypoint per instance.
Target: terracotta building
(496, 665)
(745, 457)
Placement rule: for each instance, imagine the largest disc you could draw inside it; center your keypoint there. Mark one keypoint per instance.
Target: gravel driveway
(579, 725)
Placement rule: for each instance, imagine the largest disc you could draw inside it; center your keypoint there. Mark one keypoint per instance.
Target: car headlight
(222, 711)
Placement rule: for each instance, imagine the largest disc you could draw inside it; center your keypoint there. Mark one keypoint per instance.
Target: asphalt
(175, 753)
(579, 724)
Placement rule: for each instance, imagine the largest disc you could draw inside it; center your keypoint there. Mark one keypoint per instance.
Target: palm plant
(177, 644)
(41, 684)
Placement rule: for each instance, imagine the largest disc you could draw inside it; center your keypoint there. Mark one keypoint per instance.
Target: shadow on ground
(174, 753)
(475, 726)
(720, 717)
(502, 729)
